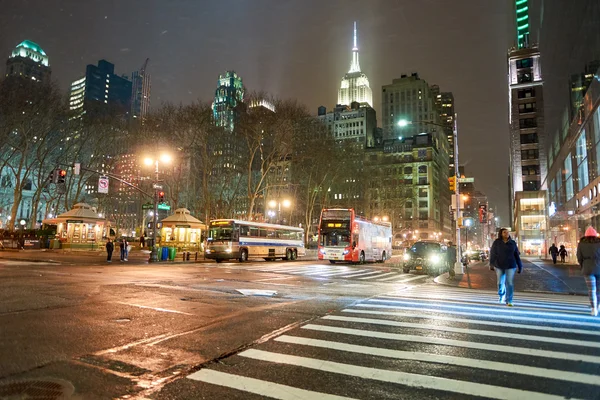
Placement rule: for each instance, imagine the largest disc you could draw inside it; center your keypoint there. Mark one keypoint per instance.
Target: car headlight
(406, 257)
(227, 250)
(207, 251)
(435, 258)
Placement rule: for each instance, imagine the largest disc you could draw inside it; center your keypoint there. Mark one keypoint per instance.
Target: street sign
(164, 207)
(157, 186)
(466, 180)
(147, 206)
(103, 184)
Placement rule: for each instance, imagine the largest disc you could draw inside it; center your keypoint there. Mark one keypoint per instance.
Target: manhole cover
(54, 389)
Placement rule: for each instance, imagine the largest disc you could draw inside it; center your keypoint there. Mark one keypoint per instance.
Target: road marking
(507, 335)
(457, 343)
(402, 378)
(405, 280)
(378, 276)
(487, 314)
(444, 359)
(154, 308)
(557, 298)
(477, 321)
(361, 274)
(498, 309)
(257, 386)
(345, 272)
(328, 270)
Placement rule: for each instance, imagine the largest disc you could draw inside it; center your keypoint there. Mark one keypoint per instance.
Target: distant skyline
(294, 49)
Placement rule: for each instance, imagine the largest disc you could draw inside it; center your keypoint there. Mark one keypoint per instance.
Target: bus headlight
(435, 258)
(345, 252)
(322, 251)
(406, 257)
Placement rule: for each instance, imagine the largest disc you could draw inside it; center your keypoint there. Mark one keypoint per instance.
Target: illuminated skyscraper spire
(355, 66)
(522, 16)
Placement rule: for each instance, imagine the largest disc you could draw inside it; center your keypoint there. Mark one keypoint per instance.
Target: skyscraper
(528, 161)
(355, 84)
(444, 101)
(229, 94)
(140, 102)
(100, 92)
(29, 60)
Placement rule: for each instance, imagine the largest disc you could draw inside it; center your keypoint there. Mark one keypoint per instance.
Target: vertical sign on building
(103, 184)
(483, 213)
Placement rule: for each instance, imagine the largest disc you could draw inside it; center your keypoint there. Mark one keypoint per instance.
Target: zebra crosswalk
(426, 342)
(316, 270)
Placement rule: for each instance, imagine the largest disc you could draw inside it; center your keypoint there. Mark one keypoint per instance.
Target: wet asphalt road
(367, 332)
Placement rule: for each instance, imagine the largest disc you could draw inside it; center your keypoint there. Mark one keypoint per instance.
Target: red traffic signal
(161, 197)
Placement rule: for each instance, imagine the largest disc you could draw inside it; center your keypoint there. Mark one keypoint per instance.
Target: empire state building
(355, 84)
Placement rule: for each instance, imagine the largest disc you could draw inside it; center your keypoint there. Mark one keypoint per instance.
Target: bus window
(253, 231)
(262, 232)
(271, 233)
(244, 230)
(220, 233)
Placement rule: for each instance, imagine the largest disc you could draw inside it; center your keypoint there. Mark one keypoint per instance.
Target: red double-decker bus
(346, 237)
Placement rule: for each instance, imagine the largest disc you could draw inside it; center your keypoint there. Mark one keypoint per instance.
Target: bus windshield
(220, 233)
(335, 238)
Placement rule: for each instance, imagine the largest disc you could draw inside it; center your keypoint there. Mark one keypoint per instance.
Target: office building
(444, 102)
(101, 93)
(228, 96)
(356, 122)
(579, 84)
(29, 60)
(355, 84)
(140, 97)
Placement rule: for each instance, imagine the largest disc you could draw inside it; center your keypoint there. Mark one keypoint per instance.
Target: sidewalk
(538, 276)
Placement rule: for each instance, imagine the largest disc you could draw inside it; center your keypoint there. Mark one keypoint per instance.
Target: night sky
(298, 49)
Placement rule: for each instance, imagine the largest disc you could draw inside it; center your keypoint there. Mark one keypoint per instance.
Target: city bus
(347, 237)
(229, 239)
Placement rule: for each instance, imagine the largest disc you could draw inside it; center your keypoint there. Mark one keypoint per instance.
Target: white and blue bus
(234, 239)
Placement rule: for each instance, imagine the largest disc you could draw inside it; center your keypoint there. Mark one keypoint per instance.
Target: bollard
(183, 256)
(196, 257)
(188, 256)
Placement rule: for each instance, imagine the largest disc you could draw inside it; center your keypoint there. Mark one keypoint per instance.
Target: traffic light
(452, 183)
(61, 174)
(161, 197)
(52, 176)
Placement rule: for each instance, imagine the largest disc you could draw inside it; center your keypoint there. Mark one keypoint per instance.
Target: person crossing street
(505, 260)
(588, 258)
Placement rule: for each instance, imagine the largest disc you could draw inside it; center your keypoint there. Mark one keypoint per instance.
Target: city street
(285, 330)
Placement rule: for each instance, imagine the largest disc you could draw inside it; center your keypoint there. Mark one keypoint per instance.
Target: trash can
(172, 252)
(165, 254)
(56, 244)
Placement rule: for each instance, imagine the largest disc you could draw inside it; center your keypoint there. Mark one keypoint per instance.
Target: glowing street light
(164, 158)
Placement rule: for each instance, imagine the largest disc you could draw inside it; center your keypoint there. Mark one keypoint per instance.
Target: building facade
(100, 93)
(355, 84)
(444, 102)
(140, 96)
(229, 94)
(30, 61)
(528, 162)
(356, 122)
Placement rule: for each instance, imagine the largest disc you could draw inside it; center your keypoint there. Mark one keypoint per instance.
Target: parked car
(426, 256)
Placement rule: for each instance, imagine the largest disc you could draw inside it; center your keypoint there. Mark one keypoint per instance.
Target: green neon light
(523, 18)
(519, 2)
(521, 36)
(522, 27)
(522, 9)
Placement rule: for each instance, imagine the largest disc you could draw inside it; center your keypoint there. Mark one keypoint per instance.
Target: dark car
(426, 256)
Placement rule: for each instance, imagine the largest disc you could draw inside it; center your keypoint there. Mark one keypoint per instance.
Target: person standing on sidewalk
(588, 257)
(110, 247)
(553, 251)
(562, 253)
(505, 259)
(123, 245)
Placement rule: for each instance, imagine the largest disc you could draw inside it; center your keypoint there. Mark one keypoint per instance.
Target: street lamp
(277, 204)
(164, 158)
(458, 267)
(468, 224)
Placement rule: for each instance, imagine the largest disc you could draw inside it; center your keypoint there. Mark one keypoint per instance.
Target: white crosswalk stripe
(429, 341)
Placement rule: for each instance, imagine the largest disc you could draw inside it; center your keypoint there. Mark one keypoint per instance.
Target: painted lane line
(498, 309)
(257, 386)
(477, 321)
(329, 270)
(378, 276)
(344, 272)
(523, 351)
(486, 315)
(554, 298)
(402, 378)
(361, 274)
(443, 359)
(509, 335)
(412, 278)
(154, 308)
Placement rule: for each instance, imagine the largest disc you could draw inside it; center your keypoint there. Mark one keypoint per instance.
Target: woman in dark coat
(505, 259)
(588, 257)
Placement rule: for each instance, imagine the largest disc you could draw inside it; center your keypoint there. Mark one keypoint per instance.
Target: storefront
(183, 231)
(80, 228)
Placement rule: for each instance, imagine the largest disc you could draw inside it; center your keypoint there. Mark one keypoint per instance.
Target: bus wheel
(288, 254)
(382, 258)
(294, 254)
(243, 255)
(361, 258)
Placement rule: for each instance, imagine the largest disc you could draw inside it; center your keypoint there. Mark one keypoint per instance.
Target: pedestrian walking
(110, 247)
(142, 241)
(562, 253)
(588, 257)
(123, 245)
(505, 259)
(553, 251)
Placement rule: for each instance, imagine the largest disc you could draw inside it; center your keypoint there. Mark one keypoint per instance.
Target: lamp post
(277, 204)
(458, 267)
(165, 158)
